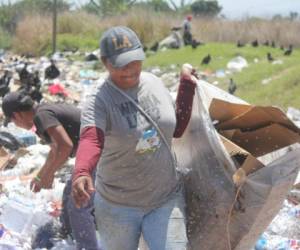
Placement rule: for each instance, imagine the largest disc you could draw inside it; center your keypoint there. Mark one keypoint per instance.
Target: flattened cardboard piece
(265, 140)
(247, 117)
(20, 153)
(250, 163)
(4, 158)
(223, 111)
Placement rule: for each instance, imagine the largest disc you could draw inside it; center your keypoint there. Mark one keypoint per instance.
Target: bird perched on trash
(206, 60)
(52, 71)
(91, 57)
(231, 87)
(254, 43)
(154, 47)
(24, 75)
(4, 83)
(270, 57)
(289, 51)
(240, 44)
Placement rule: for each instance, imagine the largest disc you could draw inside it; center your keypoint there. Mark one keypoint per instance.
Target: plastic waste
(237, 64)
(289, 244)
(9, 141)
(261, 244)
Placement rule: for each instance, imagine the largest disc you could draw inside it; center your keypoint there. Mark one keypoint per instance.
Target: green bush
(5, 39)
(67, 42)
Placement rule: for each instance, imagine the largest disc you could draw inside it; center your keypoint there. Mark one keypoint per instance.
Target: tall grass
(282, 32)
(33, 35)
(34, 32)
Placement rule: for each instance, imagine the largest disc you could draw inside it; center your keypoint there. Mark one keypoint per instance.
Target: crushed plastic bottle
(261, 244)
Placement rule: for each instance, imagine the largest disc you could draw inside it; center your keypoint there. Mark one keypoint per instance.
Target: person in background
(58, 125)
(127, 126)
(187, 30)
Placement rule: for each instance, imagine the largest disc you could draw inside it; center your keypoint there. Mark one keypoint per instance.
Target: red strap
(184, 103)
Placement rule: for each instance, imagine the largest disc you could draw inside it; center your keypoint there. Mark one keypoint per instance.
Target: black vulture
(254, 43)
(206, 59)
(4, 83)
(270, 57)
(154, 47)
(232, 87)
(240, 44)
(52, 71)
(289, 51)
(273, 44)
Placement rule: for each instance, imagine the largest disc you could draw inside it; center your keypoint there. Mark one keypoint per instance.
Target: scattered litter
(237, 64)
(266, 81)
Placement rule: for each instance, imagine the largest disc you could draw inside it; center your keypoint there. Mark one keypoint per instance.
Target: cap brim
(127, 57)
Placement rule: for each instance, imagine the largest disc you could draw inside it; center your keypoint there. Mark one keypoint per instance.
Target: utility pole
(54, 22)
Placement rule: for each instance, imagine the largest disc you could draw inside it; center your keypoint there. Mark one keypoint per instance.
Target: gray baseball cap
(120, 45)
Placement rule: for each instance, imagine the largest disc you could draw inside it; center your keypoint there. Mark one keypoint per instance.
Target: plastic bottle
(261, 244)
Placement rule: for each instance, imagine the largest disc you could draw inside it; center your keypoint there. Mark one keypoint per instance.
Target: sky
(262, 8)
(241, 8)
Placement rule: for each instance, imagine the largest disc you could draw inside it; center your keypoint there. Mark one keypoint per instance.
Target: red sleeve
(89, 151)
(184, 103)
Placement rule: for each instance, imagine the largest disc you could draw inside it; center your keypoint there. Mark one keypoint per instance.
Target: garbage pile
(254, 213)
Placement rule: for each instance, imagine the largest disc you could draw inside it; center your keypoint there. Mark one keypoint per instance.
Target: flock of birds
(30, 82)
(232, 87)
(286, 52)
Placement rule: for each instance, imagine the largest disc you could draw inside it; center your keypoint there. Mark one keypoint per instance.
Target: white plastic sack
(210, 191)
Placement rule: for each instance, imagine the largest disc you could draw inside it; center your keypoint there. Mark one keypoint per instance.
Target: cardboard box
(4, 158)
(258, 130)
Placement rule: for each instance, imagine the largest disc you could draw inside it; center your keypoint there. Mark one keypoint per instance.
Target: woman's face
(125, 77)
(20, 119)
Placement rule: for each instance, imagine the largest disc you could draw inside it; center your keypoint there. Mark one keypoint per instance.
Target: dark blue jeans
(80, 222)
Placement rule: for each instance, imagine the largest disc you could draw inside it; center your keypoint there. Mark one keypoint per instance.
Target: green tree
(12, 13)
(41, 6)
(109, 7)
(156, 5)
(205, 8)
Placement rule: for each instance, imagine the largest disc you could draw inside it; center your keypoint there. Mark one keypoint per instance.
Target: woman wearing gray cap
(127, 126)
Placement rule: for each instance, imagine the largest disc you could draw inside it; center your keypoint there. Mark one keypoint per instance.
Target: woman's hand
(188, 72)
(41, 181)
(82, 188)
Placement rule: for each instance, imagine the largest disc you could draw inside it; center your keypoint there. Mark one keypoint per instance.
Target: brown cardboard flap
(250, 164)
(265, 140)
(223, 111)
(4, 158)
(259, 117)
